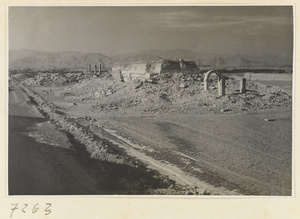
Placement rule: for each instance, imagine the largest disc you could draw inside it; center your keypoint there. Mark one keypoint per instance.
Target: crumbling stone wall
(144, 71)
(189, 67)
(170, 66)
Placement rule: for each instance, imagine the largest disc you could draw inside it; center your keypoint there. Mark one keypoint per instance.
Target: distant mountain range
(40, 60)
(224, 60)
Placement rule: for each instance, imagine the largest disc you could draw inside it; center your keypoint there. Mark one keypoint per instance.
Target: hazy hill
(40, 60)
(224, 60)
(174, 53)
(135, 57)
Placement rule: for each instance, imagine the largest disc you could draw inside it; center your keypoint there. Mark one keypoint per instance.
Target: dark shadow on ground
(40, 169)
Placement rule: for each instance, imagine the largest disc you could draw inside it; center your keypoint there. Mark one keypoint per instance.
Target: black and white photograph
(173, 100)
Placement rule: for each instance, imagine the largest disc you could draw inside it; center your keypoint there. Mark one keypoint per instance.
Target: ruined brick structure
(145, 70)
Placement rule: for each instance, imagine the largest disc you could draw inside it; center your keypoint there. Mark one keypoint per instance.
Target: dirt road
(246, 153)
(41, 161)
(242, 152)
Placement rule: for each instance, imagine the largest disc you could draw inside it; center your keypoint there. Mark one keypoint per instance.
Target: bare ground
(46, 160)
(237, 144)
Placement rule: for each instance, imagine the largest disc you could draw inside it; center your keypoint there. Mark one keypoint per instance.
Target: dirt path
(232, 151)
(38, 166)
(171, 169)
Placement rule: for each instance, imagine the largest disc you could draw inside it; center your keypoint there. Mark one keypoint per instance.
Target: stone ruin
(146, 70)
(221, 82)
(97, 71)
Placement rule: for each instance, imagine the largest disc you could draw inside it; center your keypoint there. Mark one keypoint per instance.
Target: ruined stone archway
(221, 81)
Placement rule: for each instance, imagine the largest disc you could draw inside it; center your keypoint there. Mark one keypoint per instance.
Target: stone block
(243, 85)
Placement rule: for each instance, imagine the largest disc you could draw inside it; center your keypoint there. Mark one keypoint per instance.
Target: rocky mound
(174, 93)
(51, 79)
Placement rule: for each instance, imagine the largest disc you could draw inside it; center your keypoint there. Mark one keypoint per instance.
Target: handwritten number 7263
(34, 209)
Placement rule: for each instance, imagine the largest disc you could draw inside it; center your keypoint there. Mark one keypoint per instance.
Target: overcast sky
(113, 30)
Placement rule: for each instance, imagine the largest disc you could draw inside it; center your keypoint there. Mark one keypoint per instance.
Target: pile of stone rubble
(50, 79)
